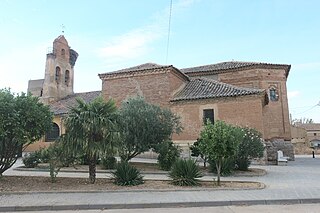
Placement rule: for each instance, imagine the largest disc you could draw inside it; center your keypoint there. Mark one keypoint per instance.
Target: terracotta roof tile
(141, 67)
(309, 127)
(204, 88)
(231, 65)
(62, 106)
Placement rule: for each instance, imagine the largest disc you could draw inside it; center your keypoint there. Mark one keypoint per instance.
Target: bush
(242, 164)
(44, 155)
(31, 160)
(83, 159)
(196, 148)
(109, 162)
(168, 154)
(127, 175)
(185, 173)
(250, 147)
(227, 166)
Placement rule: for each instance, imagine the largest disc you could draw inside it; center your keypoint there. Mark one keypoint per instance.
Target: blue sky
(111, 35)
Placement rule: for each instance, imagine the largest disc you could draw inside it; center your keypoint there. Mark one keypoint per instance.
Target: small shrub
(168, 154)
(127, 175)
(109, 162)
(83, 159)
(31, 160)
(185, 173)
(44, 155)
(55, 153)
(227, 166)
(243, 164)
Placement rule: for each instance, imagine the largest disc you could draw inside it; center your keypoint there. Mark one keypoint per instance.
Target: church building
(250, 94)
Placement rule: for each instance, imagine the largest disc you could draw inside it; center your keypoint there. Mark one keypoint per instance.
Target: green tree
(221, 142)
(196, 151)
(90, 128)
(250, 147)
(143, 126)
(23, 120)
(168, 154)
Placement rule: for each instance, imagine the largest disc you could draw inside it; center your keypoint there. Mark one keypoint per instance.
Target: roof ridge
(228, 85)
(247, 63)
(140, 67)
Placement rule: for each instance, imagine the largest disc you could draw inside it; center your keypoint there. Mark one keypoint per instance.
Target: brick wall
(276, 113)
(241, 111)
(156, 87)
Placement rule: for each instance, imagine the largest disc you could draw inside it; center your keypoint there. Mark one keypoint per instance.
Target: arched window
(67, 77)
(53, 134)
(63, 52)
(57, 74)
(273, 94)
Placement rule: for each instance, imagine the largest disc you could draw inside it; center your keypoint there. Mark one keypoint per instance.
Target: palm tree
(90, 129)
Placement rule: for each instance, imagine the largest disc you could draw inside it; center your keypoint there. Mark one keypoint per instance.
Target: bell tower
(59, 71)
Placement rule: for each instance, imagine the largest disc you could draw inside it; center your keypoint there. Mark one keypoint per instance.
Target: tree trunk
(218, 166)
(92, 168)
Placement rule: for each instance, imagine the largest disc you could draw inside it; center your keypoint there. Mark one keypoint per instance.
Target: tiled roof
(141, 67)
(62, 106)
(310, 127)
(204, 88)
(231, 65)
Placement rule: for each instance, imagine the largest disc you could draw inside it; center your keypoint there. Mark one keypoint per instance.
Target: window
(273, 94)
(208, 114)
(57, 74)
(53, 134)
(63, 52)
(67, 77)
(314, 134)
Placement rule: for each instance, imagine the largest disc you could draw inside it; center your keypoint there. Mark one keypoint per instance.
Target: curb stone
(159, 205)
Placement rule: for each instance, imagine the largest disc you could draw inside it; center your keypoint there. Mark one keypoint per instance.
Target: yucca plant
(127, 175)
(185, 173)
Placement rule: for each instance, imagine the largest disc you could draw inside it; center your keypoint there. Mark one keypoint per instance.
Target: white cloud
(311, 65)
(130, 45)
(138, 42)
(293, 94)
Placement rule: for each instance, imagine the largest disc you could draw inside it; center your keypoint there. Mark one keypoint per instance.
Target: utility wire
(168, 40)
(318, 104)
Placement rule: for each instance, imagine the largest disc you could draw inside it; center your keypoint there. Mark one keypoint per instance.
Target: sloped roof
(204, 88)
(310, 126)
(232, 65)
(62, 106)
(141, 67)
(61, 39)
(152, 67)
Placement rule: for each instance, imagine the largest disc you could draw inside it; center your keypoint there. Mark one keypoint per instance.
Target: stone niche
(278, 144)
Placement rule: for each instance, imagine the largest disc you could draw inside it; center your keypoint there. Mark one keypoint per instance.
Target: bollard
(312, 154)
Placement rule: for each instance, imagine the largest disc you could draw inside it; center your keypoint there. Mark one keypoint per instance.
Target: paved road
(296, 183)
(305, 208)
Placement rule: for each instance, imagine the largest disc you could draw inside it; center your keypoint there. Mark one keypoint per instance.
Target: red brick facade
(159, 86)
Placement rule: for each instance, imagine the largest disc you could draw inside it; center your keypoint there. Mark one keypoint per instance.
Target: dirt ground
(43, 184)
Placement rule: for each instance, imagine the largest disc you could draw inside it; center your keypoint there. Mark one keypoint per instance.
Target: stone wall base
(278, 144)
